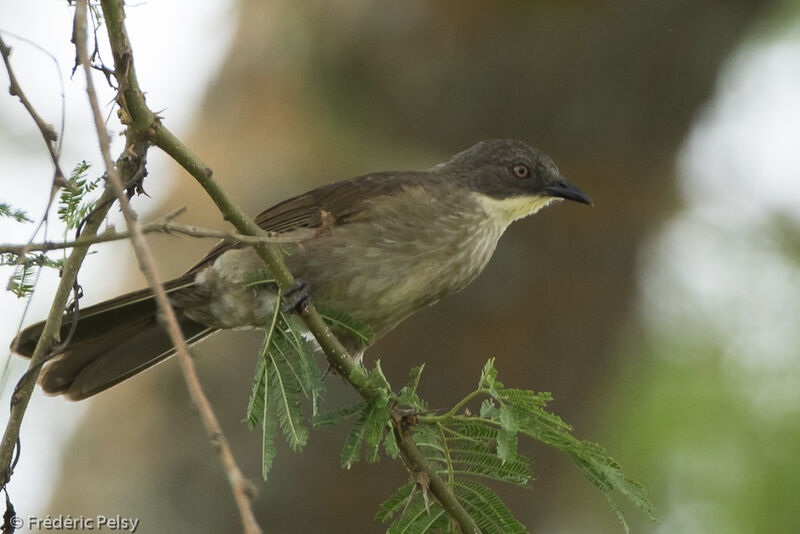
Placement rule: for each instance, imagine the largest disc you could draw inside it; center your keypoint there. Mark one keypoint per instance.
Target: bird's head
(510, 178)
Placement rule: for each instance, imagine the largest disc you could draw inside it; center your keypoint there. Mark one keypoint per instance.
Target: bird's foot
(297, 297)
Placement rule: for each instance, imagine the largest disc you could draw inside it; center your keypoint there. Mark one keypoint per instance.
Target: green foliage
(518, 411)
(73, 205)
(335, 416)
(342, 324)
(373, 421)
(260, 279)
(26, 267)
(466, 450)
(22, 279)
(7, 210)
(408, 395)
(287, 373)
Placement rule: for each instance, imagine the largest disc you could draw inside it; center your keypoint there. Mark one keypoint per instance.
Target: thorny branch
(166, 226)
(48, 134)
(49, 339)
(135, 110)
(239, 484)
(144, 127)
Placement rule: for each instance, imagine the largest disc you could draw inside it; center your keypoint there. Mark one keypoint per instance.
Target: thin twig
(69, 271)
(239, 485)
(53, 142)
(48, 134)
(166, 227)
(137, 114)
(47, 340)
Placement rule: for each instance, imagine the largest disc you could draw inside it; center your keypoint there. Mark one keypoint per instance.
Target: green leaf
(285, 373)
(72, 205)
(488, 378)
(525, 411)
(335, 416)
(377, 421)
(268, 436)
(485, 446)
(394, 504)
(368, 429)
(7, 210)
(258, 399)
(260, 279)
(22, 279)
(486, 508)
(309, 370)
(26, 269)
(419, 519)
(390, 444)
(410, 512)
(377, 379)
(516, 470)
(620, 514)
(341, 324)
(506, 444)
(489, 410)
(255, 406)
(408, 394)
(351, 451)
(470, 451)
(472, 430)
(285, 395)
(413, 378)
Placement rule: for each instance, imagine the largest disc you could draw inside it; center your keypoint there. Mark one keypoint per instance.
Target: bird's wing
(333, 204)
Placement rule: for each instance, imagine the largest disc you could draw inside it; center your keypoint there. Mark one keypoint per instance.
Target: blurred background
(663, 320)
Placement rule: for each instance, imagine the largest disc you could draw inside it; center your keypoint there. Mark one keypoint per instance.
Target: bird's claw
(297, 297)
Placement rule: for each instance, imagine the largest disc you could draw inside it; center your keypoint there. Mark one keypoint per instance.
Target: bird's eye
(521, 171)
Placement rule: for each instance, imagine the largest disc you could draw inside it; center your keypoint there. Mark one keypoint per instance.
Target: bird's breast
(385, 268)
(406, 253)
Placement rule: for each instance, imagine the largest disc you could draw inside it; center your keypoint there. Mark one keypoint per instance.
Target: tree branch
(48, 134)
(135, 152)
(166, 227)
(239, 485)
(48, 340)
(337, 355)
(133, 103)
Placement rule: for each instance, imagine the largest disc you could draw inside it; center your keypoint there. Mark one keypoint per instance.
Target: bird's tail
(113, 341)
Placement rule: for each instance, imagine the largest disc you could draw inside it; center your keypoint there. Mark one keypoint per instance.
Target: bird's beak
(564, 189)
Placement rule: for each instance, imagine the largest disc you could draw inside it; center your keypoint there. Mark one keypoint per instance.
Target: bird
(384, 246)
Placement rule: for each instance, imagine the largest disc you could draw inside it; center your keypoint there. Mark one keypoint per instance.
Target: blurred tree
(318, 91)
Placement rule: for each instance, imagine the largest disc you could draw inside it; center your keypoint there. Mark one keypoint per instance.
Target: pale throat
(507, 210)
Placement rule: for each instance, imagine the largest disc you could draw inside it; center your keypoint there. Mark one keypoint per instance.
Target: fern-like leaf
(377, 422)
(351, 451)
(269, 433)
(486, 508)
(419, 518)
(73, 206)
(394, 504)
(22, 279)
(335, 416)
(341, 323)
(285, 395)
(255, 406)
(7, 210)
(390, 444)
